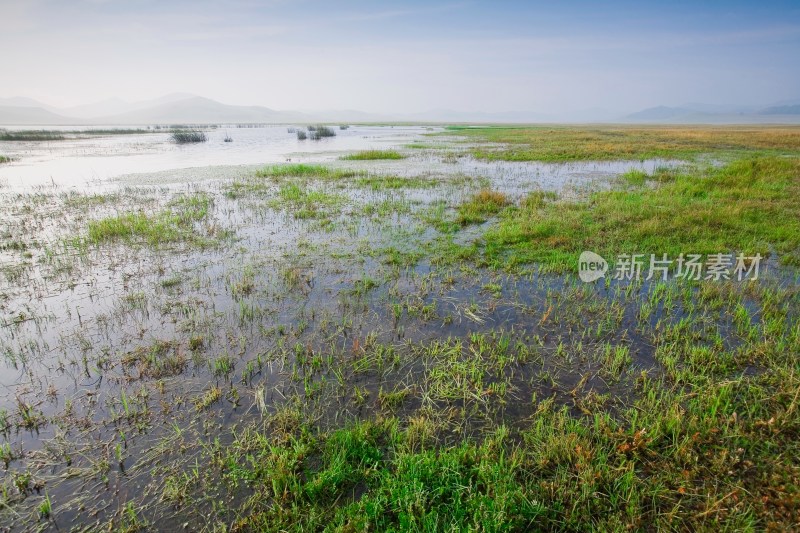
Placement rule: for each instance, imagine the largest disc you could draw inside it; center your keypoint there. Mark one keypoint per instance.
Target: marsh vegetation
(318, 132)
(368, 155)
(564, 143)
(347, 346)
(60, 135)
(31, 135)
(188, 136)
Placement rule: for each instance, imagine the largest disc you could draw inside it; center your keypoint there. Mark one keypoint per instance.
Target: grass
(562, 143)
(382, 183)
(45, 508)
(480, 206)
(113, 131)
(188, 137)
(674, 459)
(293, 172)
(307, 203)
(716, 210)
(173, 224)
(421, 491)
(321, 172)
(318, 132)
(31, 135)
(208, 398)
(305, 171)
(5, 159)
(369, 155)
(159, 360)
(426, 146)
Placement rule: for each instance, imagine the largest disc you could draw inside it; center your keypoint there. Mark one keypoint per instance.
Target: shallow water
(77, 162)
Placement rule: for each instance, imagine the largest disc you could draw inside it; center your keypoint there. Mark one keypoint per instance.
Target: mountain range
(783, 112)
(182, 108)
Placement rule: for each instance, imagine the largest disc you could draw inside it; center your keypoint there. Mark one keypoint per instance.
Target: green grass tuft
(305, 171)
(480, 206)
(369, 155)
(175, 223)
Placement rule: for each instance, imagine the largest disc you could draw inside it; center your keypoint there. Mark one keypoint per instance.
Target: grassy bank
(716, 210)
(564, 143)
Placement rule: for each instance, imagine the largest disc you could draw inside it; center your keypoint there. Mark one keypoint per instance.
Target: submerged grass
(175, 223)
(305, 171)
(305, 203)
(562, 143)
(710, 452)
(480, 206)
(380, 183)
(31, 135)
(369, 155)
(301, 174)
(717, 210)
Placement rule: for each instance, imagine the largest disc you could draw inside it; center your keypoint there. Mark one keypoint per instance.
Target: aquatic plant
(188, 136)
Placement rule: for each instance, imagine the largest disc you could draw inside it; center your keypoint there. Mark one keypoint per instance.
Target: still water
(76, 162)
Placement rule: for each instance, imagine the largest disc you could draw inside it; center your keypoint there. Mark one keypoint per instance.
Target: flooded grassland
(392, 335)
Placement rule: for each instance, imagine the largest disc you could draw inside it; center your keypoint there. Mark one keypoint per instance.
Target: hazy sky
(403, 57)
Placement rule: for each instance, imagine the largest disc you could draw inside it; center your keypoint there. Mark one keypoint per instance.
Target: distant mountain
(718, 114)
(795, 101)
(94, 110)
(781, 110)
(21, 101)
(115, 106)
(660, 113)
(32, 116)
(728, 109)
(183, 108)
(346, 115)
(450, 115)
(590, 115)
(197, 109)
(112, 106)
(97, 110)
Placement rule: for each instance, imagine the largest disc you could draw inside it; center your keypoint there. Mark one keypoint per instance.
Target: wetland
(384, 329)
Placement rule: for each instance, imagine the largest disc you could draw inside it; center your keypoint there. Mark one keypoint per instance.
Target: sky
(403, 57)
